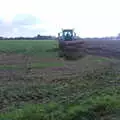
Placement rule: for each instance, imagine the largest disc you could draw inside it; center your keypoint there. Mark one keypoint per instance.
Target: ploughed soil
(10, 64)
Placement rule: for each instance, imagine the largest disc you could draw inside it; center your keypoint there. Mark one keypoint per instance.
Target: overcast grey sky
(89, 18)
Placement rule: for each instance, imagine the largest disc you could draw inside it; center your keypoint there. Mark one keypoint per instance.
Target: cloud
(90, 18)
(25, 20)
(21, 25)
(1, 21)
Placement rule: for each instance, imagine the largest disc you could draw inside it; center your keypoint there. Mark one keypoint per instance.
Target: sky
(89, 18)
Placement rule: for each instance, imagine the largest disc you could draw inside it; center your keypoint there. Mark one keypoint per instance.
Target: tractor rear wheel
(60, 54)
(71, 53)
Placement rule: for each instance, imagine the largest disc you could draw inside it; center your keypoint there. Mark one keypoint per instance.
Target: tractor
(69, 45)
(67, 35)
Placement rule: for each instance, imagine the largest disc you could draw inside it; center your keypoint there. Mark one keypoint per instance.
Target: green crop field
(37, 85)
(33, 47)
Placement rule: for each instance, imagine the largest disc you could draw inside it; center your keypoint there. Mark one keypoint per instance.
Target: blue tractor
(69, 44)
(67, 35)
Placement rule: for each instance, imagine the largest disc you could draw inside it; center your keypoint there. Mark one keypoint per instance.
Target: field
(36, 84)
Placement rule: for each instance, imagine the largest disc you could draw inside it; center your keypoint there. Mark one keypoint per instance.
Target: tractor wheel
(60, 54)
(71, 56)
(71, 53)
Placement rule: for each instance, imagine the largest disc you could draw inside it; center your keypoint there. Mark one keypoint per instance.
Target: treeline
(38, 37)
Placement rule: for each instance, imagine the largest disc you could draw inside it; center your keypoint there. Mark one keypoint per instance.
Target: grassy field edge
(92, 108)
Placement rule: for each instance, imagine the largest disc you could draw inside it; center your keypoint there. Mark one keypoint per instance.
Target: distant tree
(1, 38)
(38, 36)
(118, 34)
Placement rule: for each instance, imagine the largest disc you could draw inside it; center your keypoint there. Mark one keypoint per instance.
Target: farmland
(36, 84)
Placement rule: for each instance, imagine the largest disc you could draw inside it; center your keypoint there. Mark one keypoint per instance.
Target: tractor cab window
(67, 34)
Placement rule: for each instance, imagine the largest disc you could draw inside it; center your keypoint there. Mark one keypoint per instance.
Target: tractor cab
(67, 35)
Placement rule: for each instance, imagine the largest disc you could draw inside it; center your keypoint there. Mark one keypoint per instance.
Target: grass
(88, 90)
(90, 109)
(35, 47)
(33, 66)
